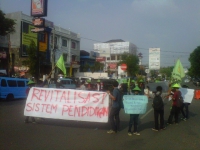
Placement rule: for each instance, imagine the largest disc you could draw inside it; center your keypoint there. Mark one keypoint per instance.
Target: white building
(112, 51)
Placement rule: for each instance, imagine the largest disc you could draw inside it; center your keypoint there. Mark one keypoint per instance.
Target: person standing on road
(158, 106)
(30, 84)
(184, 108)
(82, 86)
(115, 109)
(134, 118)
(175, 110)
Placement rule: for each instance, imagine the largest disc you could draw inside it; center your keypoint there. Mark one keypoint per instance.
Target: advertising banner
(154, 58)
(67, 104)
(27, 37)
(38, 8)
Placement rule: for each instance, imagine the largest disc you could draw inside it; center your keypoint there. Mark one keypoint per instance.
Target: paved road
(52, 134)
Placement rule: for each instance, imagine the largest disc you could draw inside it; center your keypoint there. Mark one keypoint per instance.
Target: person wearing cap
(30, 85)
(175, 110)
(89, 85)
(98, 85)
(141, 85)
(132, 86)
(134, 118)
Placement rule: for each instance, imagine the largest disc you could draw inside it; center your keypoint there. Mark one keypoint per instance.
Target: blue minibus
(13, 88)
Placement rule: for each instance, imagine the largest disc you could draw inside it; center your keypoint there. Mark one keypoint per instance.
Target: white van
(13, 88)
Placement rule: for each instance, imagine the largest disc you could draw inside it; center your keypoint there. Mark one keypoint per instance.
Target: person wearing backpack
(115, 109)
(158, 106)
(134, 118)
(176, 104)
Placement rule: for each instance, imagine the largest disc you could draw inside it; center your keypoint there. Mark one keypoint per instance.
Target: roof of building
(114, 40)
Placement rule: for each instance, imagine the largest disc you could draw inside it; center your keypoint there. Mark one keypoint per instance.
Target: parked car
(196, 81)
(64, 83)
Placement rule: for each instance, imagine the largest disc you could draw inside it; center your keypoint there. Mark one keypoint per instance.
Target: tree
(167, 71)
(132, 63)
(31, 61)
(194, 61)
(6, 25)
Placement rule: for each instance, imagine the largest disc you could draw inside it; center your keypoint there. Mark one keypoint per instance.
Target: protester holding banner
(115, 108)
(30, 84)
(184, 108)
(134, 118)
(175, 110)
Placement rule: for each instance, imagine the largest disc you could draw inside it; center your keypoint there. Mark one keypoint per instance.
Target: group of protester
(158, 105)
(136, 89)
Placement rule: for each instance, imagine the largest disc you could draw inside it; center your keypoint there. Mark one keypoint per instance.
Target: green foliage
(6, 25)
(86, 67)
(132, 62)
(194, 61)
(166, 71)
(31, 61)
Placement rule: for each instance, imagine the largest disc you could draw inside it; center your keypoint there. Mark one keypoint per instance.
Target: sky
(171, 25)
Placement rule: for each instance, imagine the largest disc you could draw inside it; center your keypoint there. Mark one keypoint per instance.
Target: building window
(108, 58)
(73, 45)
(42, 37)
(113, 57)
(65, 57)
(73, 58)
(118, 57)
(64, 42)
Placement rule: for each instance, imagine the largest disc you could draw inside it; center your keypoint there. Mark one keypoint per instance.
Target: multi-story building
(51, 44)
(112, 51)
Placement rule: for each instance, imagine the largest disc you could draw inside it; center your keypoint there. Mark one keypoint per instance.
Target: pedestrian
(134, 118)
(184, 108)
(147, 91)
(89, 88)
(158, 106)
(132, 86)
(115, 109)
(45, 82)
(175, 109)
(98, 85)
(82, 86)
(30, 84)
(141, 85)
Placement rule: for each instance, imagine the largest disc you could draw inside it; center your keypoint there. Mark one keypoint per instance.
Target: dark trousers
(157, 114)
(134, 119)
(174, 113)
(27, 119)
(186, 112)
(114, 118)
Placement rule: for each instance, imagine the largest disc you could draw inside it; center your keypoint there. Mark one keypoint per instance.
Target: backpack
(121, 105)
(158, 102)
(179, 102)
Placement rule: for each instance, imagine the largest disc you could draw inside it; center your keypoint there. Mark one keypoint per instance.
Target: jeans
(114, 118)
(174, 113)
(185, 114)
(156, 116)
(134, 119)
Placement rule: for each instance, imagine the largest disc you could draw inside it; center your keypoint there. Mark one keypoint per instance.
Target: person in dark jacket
(158, 112)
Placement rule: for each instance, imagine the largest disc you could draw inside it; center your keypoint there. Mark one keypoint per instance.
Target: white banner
(67, 104)
(187, 94)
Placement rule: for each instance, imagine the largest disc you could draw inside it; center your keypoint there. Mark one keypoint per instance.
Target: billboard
(38, 8)
(154, 58)
(105, 49)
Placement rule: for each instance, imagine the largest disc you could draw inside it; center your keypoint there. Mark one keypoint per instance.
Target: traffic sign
(123, 67)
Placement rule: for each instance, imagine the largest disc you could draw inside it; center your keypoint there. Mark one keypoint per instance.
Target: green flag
(178, 71)
(61, 64)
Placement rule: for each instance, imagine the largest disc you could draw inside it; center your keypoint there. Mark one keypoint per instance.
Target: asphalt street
(53, 134)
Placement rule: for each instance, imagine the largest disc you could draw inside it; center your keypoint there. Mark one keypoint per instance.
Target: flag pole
(52, 70)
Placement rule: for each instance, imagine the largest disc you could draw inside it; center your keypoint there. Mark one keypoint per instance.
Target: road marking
(146, 113)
